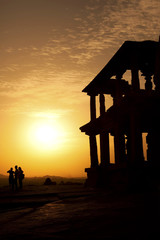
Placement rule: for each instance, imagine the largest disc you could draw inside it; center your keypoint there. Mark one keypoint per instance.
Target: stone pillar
(148, 77)
(153, 155)
(104, 149)
(92, 137)
(149, 147)
(118, 94)
(136, 145)
(135, 79)
(136, 175)
(153, 147)
(119, 146)
(102, 103)
(93, 151)
(148, 83)
(157, 69)
(93, 107)
(104, 137)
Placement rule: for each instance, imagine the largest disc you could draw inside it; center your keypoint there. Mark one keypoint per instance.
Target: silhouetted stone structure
(134, 111)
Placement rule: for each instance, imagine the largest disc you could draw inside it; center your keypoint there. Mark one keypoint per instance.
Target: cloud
(50, 114)
(104, 25)
(41, 89)
(109, 23)
(53, 73)
(97, 28)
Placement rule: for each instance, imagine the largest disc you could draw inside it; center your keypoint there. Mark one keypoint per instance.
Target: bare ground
(76, 212)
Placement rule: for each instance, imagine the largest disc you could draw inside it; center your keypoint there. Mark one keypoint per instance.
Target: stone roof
(139, 55)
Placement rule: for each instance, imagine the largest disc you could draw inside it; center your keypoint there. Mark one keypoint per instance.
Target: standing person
(20, 177)
(11, 178)
(16, 176)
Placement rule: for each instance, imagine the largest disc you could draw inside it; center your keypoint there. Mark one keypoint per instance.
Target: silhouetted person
(11, 178)
(20, 177)
(16, 176)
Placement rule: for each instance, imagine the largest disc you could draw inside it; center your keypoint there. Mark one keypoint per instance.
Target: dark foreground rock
(78, 213)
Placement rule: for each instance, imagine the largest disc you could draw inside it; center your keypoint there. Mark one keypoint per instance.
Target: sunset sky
(49, 51)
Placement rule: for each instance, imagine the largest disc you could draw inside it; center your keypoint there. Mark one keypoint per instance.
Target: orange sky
(49, 51)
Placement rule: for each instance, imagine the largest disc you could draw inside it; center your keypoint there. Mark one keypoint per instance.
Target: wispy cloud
(42, 89)
(109, 23)
(54, 72)
(104, 25)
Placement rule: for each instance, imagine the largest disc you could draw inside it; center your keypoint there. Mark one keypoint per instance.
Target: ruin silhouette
(134, 111)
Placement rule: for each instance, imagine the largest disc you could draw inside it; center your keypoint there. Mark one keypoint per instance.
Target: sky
(49, 51)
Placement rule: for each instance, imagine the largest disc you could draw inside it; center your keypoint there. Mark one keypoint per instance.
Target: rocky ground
(75, 212)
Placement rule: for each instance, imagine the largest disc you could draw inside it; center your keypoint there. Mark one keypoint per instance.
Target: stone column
(102, 103)
(104, 149)
(93, 107)
(153, 147)
(148, 77)
(135, 79)
(92, 137)
(104, 137)
(148, 83)
(117, 89)
(93, 151)
(135, 158)
(157, 68)
(119, 146)
(136, 145)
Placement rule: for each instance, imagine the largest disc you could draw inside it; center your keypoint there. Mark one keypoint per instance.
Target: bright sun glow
(46, 136)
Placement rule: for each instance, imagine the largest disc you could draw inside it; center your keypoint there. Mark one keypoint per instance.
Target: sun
(46, 136)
